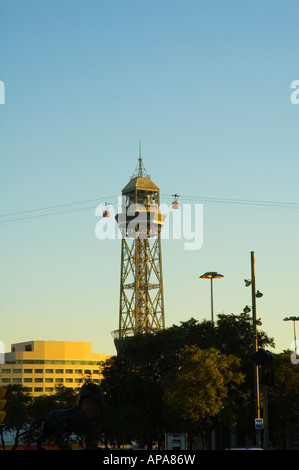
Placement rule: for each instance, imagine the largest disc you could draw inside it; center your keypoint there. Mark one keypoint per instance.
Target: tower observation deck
(141, 307)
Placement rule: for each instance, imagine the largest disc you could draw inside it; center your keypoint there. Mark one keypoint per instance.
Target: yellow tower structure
(141, 306)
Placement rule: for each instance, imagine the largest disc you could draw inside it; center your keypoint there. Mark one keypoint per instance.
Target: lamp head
(248, 282)
(211, 275)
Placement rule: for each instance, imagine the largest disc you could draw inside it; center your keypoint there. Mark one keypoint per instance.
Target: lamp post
(255, 294)
(211, 275)
(293, 319)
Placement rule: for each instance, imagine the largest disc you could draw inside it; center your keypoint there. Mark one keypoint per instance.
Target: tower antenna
(140, 160)
(140, 170)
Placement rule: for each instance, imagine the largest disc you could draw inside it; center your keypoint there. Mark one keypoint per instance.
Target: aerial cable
(49, 211)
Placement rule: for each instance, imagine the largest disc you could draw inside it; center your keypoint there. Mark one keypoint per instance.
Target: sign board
(259, 424)
(175, 441)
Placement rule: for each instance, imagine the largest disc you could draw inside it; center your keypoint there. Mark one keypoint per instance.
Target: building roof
(140, 183)
(53, 350)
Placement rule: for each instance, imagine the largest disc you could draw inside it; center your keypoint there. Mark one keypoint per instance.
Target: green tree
(18, 416)
(284, 401)
(62, 398)
(234, 335)
(132, 401)
(134, 380)
(196, 391)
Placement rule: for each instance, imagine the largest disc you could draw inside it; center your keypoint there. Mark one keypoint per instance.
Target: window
(6, 381)
(38, 371)
(68, 380)
(49, 371)
(77, 381)
(59, 381)
(17, 371)
(78, 371)
(68, 371)
(16, 381)
(59, 371)
(87, 371)
(28, 347)
(5, 371)
(48, 379)
(38, 380)
(27, 380)
(95, 371)
(38, 389)
(27, 371)
(48, 389)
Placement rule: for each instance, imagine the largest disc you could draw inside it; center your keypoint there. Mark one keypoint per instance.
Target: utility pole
(255, 348)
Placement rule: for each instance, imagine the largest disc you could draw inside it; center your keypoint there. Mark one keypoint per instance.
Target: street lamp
(246, 309)
(293, 319)
(211, 275)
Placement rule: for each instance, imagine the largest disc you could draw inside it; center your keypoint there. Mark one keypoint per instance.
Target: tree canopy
(185, 373)
(193, 377)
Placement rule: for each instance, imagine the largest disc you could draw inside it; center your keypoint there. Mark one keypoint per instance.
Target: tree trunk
(2, 439)
(16, 443)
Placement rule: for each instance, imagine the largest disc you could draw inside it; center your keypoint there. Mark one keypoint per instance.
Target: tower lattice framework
(141, 307)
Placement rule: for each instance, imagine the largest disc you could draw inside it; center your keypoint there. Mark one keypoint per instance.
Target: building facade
(41, 366)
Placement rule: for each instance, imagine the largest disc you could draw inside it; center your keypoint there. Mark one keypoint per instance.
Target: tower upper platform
(141, 206)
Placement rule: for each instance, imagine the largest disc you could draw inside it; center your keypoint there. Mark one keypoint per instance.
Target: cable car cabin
(106, 213)
(175, 205)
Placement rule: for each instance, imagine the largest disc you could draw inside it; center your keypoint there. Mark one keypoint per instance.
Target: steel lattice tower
(141, 306)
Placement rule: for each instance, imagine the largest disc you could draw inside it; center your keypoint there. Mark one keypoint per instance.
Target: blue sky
(205, 86)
